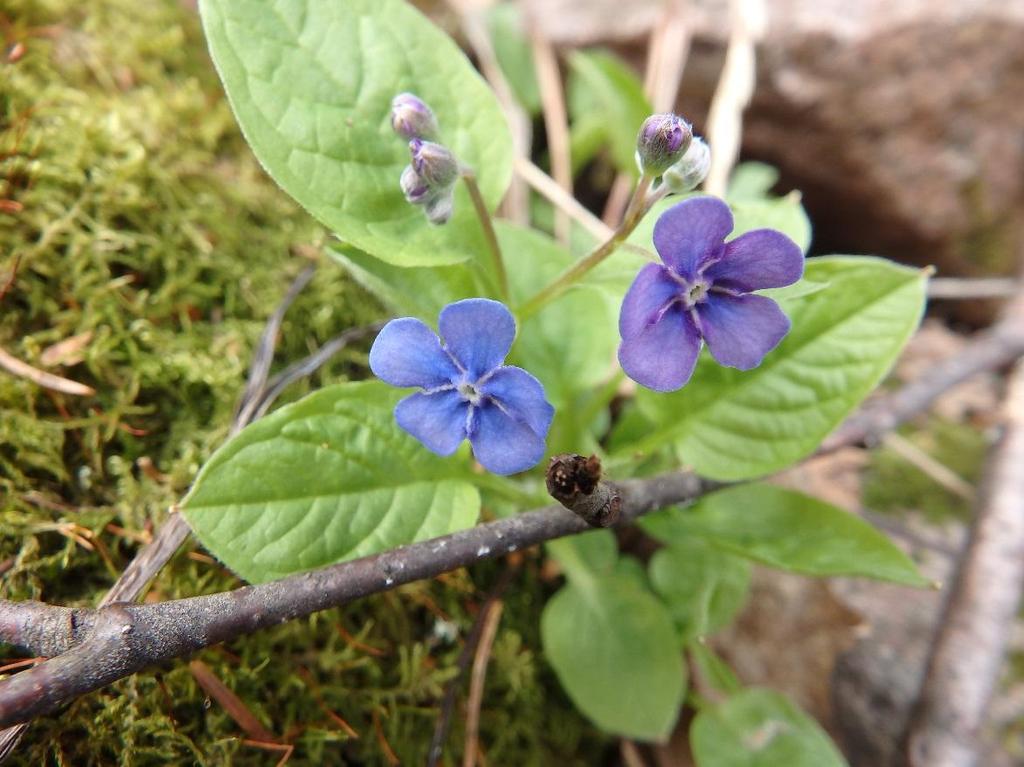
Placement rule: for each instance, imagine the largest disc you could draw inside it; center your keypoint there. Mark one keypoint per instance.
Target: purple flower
(466, 391)
(703, 291)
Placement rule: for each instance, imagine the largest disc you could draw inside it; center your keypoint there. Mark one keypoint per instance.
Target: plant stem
(489, 234)
(639, 204)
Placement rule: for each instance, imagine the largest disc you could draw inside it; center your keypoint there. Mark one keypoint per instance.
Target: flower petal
(662, 356)
(478, 332)
(691, 232)
(408, 353)
(646, 297)
(438, 420)
(763, 258)
(502, 443)
(740, 330)
(522, 396)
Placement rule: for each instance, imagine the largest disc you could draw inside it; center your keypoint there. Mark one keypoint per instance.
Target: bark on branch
(94, 648)
(968, 651)
(121, 639)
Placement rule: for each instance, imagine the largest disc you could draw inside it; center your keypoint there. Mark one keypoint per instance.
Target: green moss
(891, 484)
(146, 222)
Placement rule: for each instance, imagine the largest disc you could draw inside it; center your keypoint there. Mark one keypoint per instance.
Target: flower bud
(414, 188)
(436, 166)
(412, 118)
(687, 174)
(661, 141)
(439, 208)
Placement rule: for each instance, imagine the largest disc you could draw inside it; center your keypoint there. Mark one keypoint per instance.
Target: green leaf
(413, 291)
(616, 653)
(760, 728)
(570, 346)
(630, 568)
(328, 478)
(788, 530)
(311, 85)
(786, 214)
(587, 137)
(515, 57)
(584, 556)
(601, 84)
(752, 181)
(713, 668)
(754, 207)
(729, 424)
(702, 586)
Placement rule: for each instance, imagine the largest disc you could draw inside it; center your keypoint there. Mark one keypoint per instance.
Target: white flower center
(469, 392)
(696, 293)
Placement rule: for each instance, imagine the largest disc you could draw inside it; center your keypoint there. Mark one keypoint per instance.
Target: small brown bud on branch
(575, 482)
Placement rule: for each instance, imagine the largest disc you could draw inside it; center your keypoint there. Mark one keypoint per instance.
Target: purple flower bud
(661, 141)
(414, 188)
(436, 166)
(690, 172)
(411, 118)
(439, 208)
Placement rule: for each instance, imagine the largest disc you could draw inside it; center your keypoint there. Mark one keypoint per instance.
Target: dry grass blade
(66, 352)
(476, 685)
(230, 702)
(47, 380)
(735, 88)
(556, 121)
(561, 199)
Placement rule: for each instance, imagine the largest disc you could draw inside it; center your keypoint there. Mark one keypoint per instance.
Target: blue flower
(703, 291)
(466, 391)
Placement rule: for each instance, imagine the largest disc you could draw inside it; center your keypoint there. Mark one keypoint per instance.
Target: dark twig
(309, 365)
(125, 638)
(259, 370)
(465, 659)
(968, 651)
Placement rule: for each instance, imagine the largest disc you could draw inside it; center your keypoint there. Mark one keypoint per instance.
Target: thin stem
(601, 397)
(489, 234)
(639, 204)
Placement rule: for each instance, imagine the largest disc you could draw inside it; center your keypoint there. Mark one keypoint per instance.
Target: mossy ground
(136, 214)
